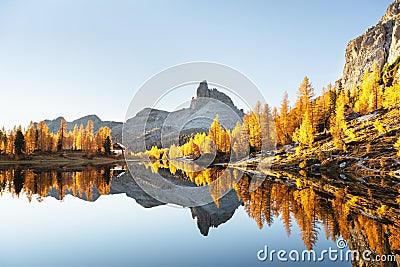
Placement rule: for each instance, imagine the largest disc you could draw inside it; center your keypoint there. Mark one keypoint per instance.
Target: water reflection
(85, 183)
(366, 214)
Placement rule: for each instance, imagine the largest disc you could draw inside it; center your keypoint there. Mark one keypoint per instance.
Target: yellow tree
(252, 126)
(370, 94)
(101, 137)
(323, 112)
(80, 138)
(305, 133)
(376, 91)
(3, 139)
(53, 142)
(391, 97)
(303, 104)
(75, 136)
(154, 153)
(215, 132)
(61, 135)
(191, 149)
(44, 138)
(30, 139)
(267, 129)
(207, 146)
(174, 152)
(10, 149)
(338, 128)
(69, 141)
(240, 142)
(89, 141)
(283, 122)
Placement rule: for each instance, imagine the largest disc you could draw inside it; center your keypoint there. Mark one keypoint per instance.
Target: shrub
(379, 127)
(303, 164)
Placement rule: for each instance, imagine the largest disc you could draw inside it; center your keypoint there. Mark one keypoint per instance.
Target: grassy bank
(60, 158)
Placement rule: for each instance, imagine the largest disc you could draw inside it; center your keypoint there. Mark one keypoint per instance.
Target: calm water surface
(99, 216)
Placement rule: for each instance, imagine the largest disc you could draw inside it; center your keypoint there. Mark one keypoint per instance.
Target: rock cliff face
(148, 126)
(203, 94)
(380, 43)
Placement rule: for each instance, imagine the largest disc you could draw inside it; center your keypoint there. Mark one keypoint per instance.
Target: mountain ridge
(116, 127)
(380, 43)
(145, 129)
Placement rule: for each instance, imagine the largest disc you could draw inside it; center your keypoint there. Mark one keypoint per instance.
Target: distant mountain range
(197, 118)
(116, 127)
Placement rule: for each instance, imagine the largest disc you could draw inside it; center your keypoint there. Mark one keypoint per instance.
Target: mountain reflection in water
(366, 214)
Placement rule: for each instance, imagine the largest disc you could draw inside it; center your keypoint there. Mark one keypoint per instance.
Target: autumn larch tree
(370, 94)
(61, 135)
(101, 136)
(305, 133)
(214, 131)
(283, 121)
(30, 138)
(304, 100)
(75, 136)
(3, 140)
(44, 138)
(338, 128)
(90, 145)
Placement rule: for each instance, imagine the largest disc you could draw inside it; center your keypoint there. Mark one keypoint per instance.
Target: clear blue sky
(79, 57)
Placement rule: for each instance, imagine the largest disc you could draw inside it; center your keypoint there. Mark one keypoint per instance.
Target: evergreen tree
(107, 145)
(19, 143)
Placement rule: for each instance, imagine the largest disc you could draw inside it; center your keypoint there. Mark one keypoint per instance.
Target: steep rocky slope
(148, 126)
(380, 43)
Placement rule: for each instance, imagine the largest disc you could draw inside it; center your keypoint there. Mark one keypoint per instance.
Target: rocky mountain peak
(203, 92)
(392, 12)
(380, 44)
(147, 127)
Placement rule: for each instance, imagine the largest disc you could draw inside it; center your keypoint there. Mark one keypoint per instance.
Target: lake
(108, 216)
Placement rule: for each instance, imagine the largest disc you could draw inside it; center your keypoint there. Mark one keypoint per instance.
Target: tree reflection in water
(367, 215)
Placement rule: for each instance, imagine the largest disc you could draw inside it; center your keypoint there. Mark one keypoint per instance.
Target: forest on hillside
(311, 119)
(18, 142)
